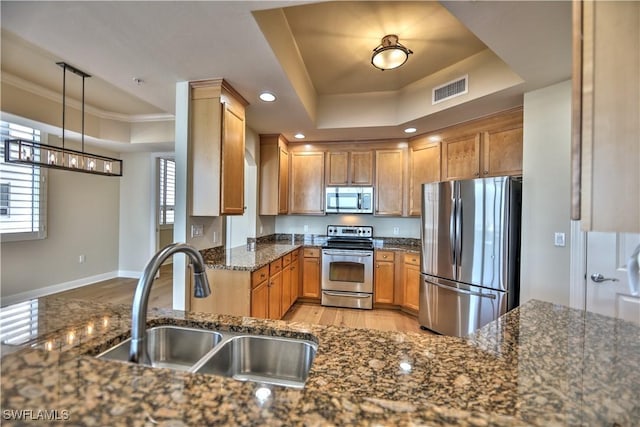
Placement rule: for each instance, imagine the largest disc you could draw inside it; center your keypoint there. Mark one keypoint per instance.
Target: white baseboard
(129, 274)
(60, 287)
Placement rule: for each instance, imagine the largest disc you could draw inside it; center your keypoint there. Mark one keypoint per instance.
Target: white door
(608, 291)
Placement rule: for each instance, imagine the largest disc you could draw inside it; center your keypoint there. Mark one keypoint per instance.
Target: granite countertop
(541, 364)
(252, 257)
(245, 258)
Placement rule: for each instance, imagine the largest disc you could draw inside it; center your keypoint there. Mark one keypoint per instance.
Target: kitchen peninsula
(540, 364)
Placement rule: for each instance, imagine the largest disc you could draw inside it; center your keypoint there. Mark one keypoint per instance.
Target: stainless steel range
(347, 267)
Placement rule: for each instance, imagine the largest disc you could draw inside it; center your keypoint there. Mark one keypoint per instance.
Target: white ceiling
(166, 42)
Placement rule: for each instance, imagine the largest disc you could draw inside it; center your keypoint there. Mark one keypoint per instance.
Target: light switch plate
(396, 231)
(197, 230)
(559, 239)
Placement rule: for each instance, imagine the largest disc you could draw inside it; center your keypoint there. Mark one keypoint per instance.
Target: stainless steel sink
(172, 347)
(265, 359)
(261, 358)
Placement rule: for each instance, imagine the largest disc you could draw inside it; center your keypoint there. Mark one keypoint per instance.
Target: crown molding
(31, 87)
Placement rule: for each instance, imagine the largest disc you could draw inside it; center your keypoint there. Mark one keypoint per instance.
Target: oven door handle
(348, 253)
(346, 294)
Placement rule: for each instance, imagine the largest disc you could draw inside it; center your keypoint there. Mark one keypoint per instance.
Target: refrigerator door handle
(461, 291)
(459, 231)
(452, 230)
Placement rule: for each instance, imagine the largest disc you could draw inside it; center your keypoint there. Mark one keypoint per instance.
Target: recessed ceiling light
(410, 130)
(299, 135)
(267, 97)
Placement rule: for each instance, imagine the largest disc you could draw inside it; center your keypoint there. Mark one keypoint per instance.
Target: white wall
(546, 194)
(82, 219)
(382, 226)
(137, 207)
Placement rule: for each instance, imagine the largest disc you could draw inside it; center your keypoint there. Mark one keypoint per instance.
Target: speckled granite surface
(540, 364)
(260, 252)
(245, 258)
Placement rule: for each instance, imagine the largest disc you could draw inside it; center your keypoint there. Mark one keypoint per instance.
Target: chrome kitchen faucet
(143, 290)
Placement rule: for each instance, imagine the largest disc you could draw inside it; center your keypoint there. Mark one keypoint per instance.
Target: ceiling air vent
(450, 90)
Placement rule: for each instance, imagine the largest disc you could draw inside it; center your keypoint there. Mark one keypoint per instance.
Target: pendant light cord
(64, 95)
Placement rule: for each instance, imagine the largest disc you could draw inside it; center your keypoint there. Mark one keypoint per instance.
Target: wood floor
(120, 291)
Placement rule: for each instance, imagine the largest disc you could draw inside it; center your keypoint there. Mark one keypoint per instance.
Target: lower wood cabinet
(411, 281)
(295, 276)
(275, 296)
(260, 300)
(311, 273)
(285, 302)
(384, 277)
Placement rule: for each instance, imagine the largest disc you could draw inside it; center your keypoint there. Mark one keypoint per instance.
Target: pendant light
(390, 54)
(37, 154)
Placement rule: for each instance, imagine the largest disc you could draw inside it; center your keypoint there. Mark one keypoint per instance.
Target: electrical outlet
(306, 228)
(396, 231)
(81, 259)
(558, 239)
(197, 230)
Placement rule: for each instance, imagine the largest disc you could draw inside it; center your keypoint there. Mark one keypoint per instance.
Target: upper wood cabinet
(424, 166)
(388, 195)
(606, 125)
(349, 168)
(502, 152)
(217, 126)
(461, 157)
(307, 178)
(482, 148)
(274, 175)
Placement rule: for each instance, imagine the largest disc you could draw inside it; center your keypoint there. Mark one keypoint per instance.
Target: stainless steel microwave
(349, 200)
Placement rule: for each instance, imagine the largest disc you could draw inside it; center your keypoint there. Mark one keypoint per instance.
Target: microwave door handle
(359, 201)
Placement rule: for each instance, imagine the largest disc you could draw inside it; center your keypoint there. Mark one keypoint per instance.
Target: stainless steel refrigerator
(470, 253)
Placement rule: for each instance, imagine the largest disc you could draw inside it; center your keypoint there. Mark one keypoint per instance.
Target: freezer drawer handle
(344, 294)
(462, 291)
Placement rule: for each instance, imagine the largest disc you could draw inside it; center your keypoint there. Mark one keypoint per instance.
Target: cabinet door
(311, 277)
(275, 296)
(461, 157)
(337, 168)
(260, 300)
(424, 166)
(283, 181)
(610, 179)
(285, 302)
(232, 166)
(307, 177)
(411, 286)
(384, 282)
(295, 280)
(502, 152)
(361, 168)
(388, 197)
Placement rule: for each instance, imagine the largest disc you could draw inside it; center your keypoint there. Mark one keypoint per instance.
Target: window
(22, 191)
(167, 191)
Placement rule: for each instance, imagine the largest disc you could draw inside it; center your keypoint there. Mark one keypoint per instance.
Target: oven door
(347, 270)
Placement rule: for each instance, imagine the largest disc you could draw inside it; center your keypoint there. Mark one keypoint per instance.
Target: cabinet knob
(377, 265)
(486, 172)
(476, 174)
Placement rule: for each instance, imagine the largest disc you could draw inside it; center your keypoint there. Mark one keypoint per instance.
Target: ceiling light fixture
(390, 54)
(410, 130)
(299, 135)
(267, 97)
(34, 153)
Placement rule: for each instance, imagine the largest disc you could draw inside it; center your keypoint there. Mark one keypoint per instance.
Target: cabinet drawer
(295, 254)
(275, 267)
(286, 260)
(384, 256)
(311, 253)
(413, 259)
(259, 276)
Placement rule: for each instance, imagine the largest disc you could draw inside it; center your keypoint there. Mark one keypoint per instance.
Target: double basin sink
(245, 357)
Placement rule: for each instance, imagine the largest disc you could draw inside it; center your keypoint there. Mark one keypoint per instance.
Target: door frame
(578, 267)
